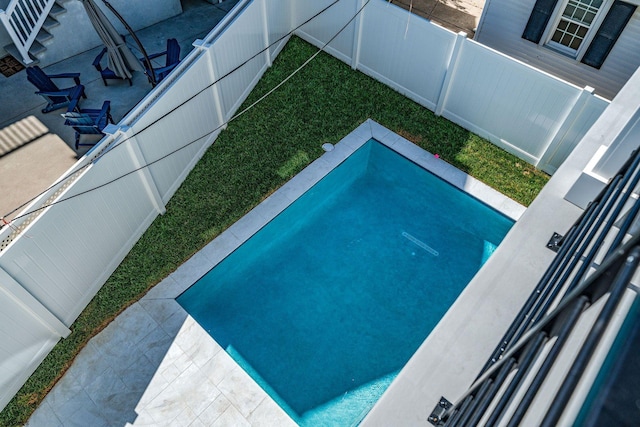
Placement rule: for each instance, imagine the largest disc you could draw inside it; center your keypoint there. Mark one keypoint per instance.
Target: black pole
(152, 76)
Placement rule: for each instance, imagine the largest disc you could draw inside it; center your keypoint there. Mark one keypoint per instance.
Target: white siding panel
(501, 28)
(502, 21)
(510, 103)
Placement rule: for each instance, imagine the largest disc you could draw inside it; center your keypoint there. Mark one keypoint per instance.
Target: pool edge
(218, 249)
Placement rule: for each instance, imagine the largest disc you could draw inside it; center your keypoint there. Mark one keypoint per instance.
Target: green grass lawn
(255, 155)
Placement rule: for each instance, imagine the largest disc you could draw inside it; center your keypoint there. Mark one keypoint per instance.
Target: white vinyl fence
(54, 262)
(529, 113)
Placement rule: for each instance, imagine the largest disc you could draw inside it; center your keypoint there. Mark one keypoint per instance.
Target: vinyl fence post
(451, 69)
(23, 298)
(139, 162)
(569, 121)
(215, 89)
(357, 35)
(265, 26)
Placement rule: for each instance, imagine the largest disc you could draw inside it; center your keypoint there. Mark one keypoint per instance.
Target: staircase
(29, 22)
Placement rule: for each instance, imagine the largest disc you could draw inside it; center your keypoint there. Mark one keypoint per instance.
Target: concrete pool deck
(154, 365)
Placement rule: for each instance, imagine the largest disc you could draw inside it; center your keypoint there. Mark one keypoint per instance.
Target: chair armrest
(96, 62)
(74, 76)
(162, 72)
(154, 55)
(75, 95)
(73, 106)
(106, 109)
(54, 93)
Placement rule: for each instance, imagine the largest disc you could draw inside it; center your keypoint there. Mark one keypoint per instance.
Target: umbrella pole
(137, 40)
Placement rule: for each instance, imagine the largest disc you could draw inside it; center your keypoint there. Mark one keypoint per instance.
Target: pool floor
(326, 304)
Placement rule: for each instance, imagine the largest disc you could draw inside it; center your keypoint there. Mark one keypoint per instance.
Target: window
(583, 29)
(574, 24)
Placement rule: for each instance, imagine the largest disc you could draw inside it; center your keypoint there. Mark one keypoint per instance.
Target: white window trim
(555, 20)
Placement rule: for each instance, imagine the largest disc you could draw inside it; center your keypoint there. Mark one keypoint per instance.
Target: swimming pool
(325, 304)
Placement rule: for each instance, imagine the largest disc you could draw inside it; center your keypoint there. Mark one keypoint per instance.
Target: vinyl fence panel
(336, 25)
(406, 52)
(61, 257)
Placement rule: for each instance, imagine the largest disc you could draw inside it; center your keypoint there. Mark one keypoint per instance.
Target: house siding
(501, 27)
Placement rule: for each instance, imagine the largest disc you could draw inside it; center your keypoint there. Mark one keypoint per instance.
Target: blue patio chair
(173, 58)
(106, 73)
(56, 97)
(88, 121)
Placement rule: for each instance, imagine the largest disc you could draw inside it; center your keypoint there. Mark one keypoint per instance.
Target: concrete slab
(455, 15)
(31, 168)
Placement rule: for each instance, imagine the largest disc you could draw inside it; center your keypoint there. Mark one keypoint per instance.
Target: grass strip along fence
(255, 155)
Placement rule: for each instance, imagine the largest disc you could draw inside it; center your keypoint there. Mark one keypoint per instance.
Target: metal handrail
(535, 324)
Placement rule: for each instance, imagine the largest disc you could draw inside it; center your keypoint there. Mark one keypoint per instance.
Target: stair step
(57, 10)
(43, 36)
(36, 48)
(50, 23)
(13, 51)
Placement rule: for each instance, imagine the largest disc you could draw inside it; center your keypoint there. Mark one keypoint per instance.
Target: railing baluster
(593, 234)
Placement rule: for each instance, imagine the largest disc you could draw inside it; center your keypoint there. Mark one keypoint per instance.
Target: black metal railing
(571, 284)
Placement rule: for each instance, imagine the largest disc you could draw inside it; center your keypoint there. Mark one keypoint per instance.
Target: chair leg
(77, 140)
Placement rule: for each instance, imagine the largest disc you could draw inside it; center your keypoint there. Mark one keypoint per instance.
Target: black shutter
(539, 19)
(608, 33)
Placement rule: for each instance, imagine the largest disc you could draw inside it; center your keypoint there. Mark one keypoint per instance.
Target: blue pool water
(326, 303)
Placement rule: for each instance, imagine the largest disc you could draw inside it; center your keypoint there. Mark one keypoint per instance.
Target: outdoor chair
(106, 73)
(56, 97)
(173, 58)
(88, 121)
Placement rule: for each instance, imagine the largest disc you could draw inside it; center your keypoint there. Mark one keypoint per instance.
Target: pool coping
(273, 205)
(223, 245)
(155, 365)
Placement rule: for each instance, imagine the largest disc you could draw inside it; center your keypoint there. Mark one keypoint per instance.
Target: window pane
(575, 43)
